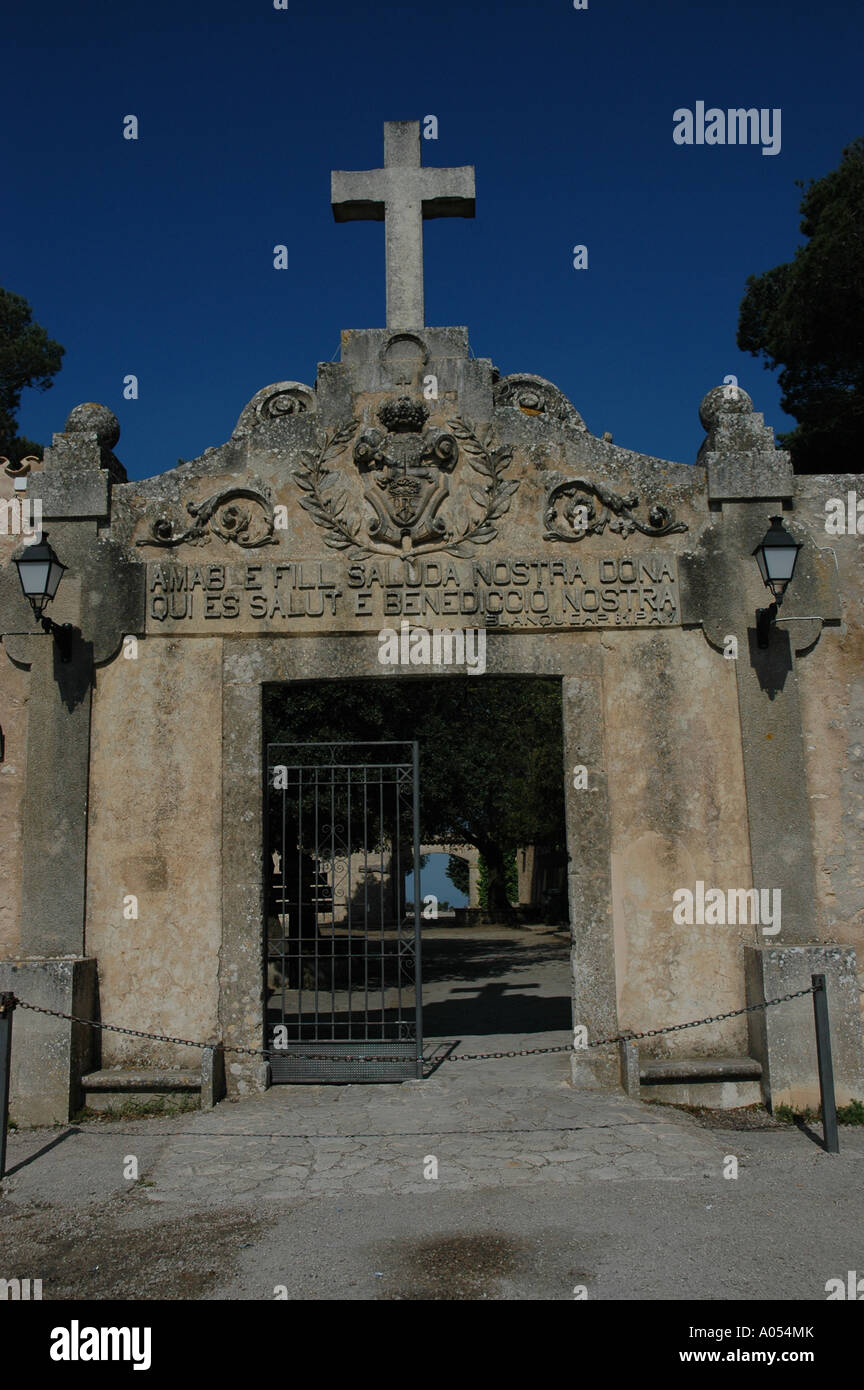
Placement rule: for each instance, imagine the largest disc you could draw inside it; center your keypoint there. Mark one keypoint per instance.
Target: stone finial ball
(92, 416)
(724, 400)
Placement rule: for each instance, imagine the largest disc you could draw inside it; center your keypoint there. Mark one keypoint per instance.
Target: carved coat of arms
(405, 468)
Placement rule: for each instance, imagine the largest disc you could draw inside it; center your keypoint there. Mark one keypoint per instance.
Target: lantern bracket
(63, 634)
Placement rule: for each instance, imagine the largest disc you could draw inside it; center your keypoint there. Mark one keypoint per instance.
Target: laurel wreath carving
(495, 497)
(315, 478)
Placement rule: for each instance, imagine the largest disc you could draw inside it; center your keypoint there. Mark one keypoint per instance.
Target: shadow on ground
(506, 981)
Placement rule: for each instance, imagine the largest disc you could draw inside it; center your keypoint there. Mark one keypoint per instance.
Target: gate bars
(343, 946)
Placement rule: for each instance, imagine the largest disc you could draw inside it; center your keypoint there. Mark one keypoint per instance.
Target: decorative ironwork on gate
(343, 943)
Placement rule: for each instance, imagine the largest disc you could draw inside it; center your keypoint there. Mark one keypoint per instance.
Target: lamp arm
(63, 634)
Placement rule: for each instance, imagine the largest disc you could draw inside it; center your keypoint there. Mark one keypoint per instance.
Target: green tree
(459, 874)
(511, 879)
(807, 317)
(28, 357)
(491, 753)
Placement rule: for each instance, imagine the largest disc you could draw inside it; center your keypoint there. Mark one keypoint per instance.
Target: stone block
(115, 1089)
(212, 1076)
(628, 1052)
(762, 473)
(475, 390)
(333, 390)
(49, 1055)
(378, 359)
(716, 1095)
(783, 1038)
(66, 494)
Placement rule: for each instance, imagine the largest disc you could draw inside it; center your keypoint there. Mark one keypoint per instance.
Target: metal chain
(459, 1057)
(135, 1033)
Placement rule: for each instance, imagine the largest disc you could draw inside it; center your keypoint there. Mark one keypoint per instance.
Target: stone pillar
(748, 480)
(590, 884)
(55, 805)
(49, 1055)
(525, 868)
(102, 596)
(783, 1038)
(241, 960)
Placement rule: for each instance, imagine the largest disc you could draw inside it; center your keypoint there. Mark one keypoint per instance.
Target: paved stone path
(327, 1192)
(309, 1140)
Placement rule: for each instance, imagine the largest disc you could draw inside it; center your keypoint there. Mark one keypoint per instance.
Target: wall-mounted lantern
(776, 555)
(40, 573)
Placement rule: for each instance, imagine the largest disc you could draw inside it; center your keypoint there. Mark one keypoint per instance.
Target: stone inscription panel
(339, 595)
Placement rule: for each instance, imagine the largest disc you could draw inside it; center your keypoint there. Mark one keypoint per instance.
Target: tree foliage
(28, 358)
(491, 752)
(807, 317)
(459, 874)
(511, 879)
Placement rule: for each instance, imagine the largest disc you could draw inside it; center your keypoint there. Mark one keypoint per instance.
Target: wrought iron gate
(343, 944)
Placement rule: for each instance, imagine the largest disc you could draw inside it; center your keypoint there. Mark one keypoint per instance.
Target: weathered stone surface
(73, 493)
(783, 1037)
(115, 1079)
(212, 1077)
(154, 835)
(49, 1055)
(738, 454)
(700, 1069)
(679, 814)
(831, 695)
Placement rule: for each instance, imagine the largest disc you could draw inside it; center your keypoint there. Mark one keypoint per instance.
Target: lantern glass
(40, 573)
(776, 555)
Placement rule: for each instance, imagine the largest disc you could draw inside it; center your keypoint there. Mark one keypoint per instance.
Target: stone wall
(832, 700)
(14, 691)
(679, 814)
(335, 510)
(13, 773)
(156, 833)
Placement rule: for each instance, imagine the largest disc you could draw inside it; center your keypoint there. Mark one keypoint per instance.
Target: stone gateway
(413, 482)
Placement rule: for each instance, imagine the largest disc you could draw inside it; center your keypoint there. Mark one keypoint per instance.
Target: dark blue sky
(155, 257)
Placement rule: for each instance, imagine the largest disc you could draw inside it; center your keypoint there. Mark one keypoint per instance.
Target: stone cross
(401, 195)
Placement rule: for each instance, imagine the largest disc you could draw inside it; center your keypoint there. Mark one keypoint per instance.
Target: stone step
(151, 1088)
(678, 1070)
(151, 1081)
(110, 1088)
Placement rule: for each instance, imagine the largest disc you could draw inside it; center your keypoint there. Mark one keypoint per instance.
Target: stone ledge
(760, 474)
(682, 1069)
(150, 1081)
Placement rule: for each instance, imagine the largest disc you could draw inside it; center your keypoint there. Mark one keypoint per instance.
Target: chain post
(830, 1134)
(7, 1009)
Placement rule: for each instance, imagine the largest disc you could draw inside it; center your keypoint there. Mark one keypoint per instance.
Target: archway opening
(494, 918)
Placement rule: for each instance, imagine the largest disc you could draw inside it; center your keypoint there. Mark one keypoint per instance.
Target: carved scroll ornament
(576, 508)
